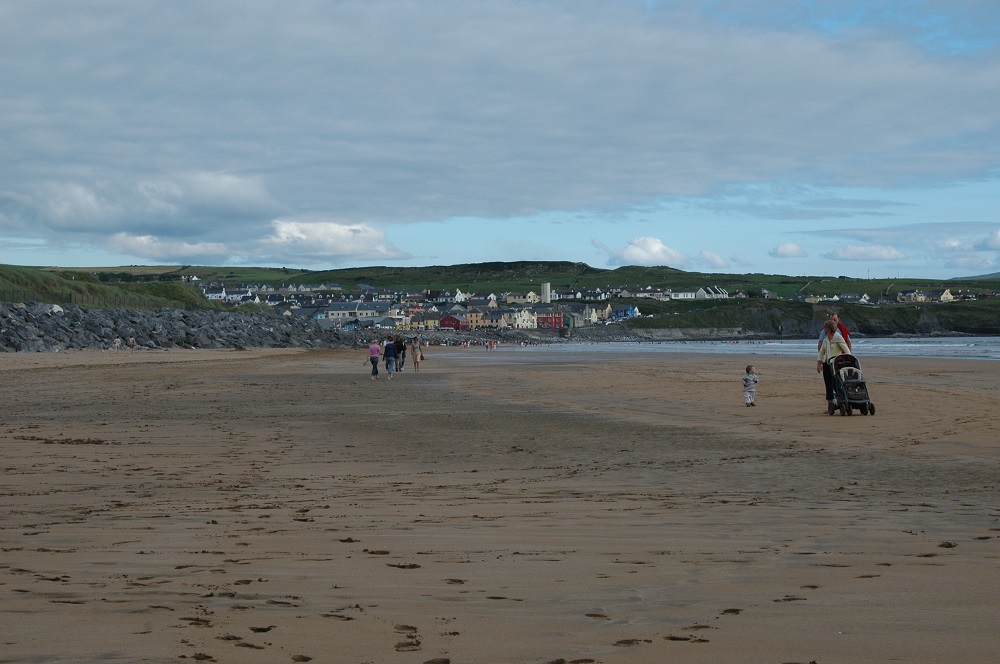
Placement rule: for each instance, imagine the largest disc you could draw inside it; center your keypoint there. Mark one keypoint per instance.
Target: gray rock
(36, 327)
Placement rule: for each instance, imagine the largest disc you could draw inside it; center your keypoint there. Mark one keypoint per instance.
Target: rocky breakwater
(48, 327)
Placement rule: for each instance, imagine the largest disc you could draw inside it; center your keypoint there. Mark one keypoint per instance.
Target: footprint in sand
(408, 646)
(247, 644)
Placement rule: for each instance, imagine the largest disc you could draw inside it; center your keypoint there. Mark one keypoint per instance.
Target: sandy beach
(508, 506)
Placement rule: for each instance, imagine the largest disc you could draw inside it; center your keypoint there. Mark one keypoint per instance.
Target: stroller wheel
(830, 409)
(871, 409)
(850, 410)
(863, 408)
(843, 410)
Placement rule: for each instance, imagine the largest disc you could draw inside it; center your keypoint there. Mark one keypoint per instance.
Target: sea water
(976, 348)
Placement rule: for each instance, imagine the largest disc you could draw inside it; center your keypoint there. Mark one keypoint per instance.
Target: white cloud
(787, 250)
(741, 260)
(227, 194)
(298, 242)
(327, 242)
(951, 244)
(712, 260)
(73, 206)
(977, 263)
(157, 249)
(990, 243)
(644, 251)
(865, 253)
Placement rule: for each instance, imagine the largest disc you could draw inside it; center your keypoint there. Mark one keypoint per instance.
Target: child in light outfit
(750, 386)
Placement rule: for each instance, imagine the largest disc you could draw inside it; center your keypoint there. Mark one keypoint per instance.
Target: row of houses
(902, 296)
(322, 294)
(459, 310)
(400, 316)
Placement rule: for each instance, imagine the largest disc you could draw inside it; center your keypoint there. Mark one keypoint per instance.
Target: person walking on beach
(400, 353)
(831, 346)
(131, 344)
(118, 344)
(374, 355)
(750, 385)
(389, 355)
(415, 352)
(844, 332)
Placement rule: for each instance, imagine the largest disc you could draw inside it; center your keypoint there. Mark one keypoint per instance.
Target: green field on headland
(483, 278)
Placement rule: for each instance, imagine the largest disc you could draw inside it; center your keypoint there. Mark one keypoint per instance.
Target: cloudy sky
(842, 137)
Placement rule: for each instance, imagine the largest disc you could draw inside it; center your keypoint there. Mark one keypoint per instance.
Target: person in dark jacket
(400, 353)
(389, 356)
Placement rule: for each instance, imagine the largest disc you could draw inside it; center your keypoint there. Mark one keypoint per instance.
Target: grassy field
(22, 284)
(484, 278)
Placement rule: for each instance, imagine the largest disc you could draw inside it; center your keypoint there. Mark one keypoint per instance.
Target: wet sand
(513, 506)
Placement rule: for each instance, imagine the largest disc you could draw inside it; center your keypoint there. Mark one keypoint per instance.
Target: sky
(856, 138)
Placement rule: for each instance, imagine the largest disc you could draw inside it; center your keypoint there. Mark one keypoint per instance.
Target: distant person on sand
(844, 332)
(415, 353)
(131, 344)
(831, 346)
(118, 344)
(400, 353)
(750, 385)
(389, 355)
(374, 355)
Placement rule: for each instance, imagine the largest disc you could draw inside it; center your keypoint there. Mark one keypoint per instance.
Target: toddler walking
(750, 386)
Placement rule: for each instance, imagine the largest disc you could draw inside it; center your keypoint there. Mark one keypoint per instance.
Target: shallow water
(982, 348)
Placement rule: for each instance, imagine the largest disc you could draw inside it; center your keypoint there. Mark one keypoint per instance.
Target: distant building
(911, 296)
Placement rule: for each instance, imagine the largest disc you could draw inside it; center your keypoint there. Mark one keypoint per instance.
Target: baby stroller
(849, 386)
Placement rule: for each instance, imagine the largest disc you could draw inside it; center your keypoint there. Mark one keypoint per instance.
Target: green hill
(503, 277)
(24, 284)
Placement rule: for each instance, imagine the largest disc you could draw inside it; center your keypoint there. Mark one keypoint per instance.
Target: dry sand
(515, 506)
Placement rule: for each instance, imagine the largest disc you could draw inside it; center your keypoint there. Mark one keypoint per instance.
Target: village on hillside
(369, 307)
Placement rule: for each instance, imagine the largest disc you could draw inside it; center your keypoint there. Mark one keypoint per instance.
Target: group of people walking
(834, 340)
(393, 355)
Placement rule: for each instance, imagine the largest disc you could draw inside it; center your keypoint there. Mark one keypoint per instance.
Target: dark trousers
(828, 380)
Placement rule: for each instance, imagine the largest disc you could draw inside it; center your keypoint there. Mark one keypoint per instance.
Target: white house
(522, 319)
(712, 293)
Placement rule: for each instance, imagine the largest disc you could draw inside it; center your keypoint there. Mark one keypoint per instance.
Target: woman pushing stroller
(832, 345)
